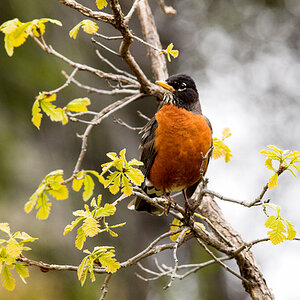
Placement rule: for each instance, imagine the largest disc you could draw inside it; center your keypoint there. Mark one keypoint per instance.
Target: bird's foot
(171, 202)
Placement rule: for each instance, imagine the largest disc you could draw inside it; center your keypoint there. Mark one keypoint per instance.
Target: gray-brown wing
(148, 152)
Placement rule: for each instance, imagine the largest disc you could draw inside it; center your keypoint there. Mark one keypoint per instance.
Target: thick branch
(257, 288)
(158, 62)
(97, 15)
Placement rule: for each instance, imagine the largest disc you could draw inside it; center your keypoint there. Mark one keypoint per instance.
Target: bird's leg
(187, 206)
(170, 201)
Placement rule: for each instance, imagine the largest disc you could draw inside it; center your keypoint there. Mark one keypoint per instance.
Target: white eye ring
(182, 87)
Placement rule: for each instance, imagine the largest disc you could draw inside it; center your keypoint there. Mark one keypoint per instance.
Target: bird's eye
(182, 87)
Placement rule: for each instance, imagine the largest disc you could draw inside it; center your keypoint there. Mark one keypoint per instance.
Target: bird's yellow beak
(165, 86)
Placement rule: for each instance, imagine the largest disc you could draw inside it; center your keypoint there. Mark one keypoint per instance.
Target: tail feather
(141, 204)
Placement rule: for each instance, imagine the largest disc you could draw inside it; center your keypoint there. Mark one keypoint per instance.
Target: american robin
(174, 143)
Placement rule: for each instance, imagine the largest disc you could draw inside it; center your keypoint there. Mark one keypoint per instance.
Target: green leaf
(135, 176)
(44, 207)
(115, 186)
(268, 164)
(51, 110)
(170, 52)
(126, 187)
(90, 227)
(109, 262)
(275, 149)
(5, 228)
(8, 281)
(291, 230)
(95, 173)
(101, 4)
(107, 210)
(78, 105)
(80, 238)
(22, 271)
(88, 187)
(82, 270)
(36, 114)
(273, 181)
(226, 133)
(276, 235)
(13, 248)
(221, 149)
(70, 227)
(78, 182)
(88, 26)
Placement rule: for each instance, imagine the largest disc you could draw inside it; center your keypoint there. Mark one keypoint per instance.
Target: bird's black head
(181, 91)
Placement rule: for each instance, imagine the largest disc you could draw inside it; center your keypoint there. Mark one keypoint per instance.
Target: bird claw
(171, 203)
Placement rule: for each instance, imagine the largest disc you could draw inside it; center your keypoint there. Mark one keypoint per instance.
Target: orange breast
(180, 138)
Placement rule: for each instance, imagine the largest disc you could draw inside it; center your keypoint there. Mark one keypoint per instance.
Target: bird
(174, 144)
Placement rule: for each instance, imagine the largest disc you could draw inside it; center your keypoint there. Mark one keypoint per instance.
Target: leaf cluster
(44, 103)
(170, 52)
(286, 160)
(281, 229)
(122, 174)
(90, 221)
(101, 256)
(10, 250)
(17, 32)
(88, 26)
(220, 148)
(51, 185)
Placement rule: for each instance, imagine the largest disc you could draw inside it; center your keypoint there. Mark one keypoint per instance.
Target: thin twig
(109, 38)
(169, 10)
(221, 263)
(69, 79)
(97, 15)
(104, 287)
(100, 91)
(143, 116)
(122, 123)
(105, 47)
(145, 43)
(131, 11)
(113, 66)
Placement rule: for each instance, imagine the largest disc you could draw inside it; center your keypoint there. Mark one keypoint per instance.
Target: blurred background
(244, 57)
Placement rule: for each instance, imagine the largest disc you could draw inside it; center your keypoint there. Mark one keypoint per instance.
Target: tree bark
(257, 286)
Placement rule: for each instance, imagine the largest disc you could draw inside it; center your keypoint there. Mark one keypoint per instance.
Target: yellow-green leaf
(36, 114)
(109, 262)
(107, 210)
(77, 183)
(22, 271)
(80, 238)
(8, 281)
(126, 187)
(269, 164)
(5, 228)
(273, 181)
(101, 4)
(78, 105)
(90, 227)
(88, 187)
(44, 207)
(276, 235)
(88, 26)
(9, 26)
(59, 191)
(135, 176)
(221, 149)
(226, 133)
(291, 230)
(13, 248)
(276, 207)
